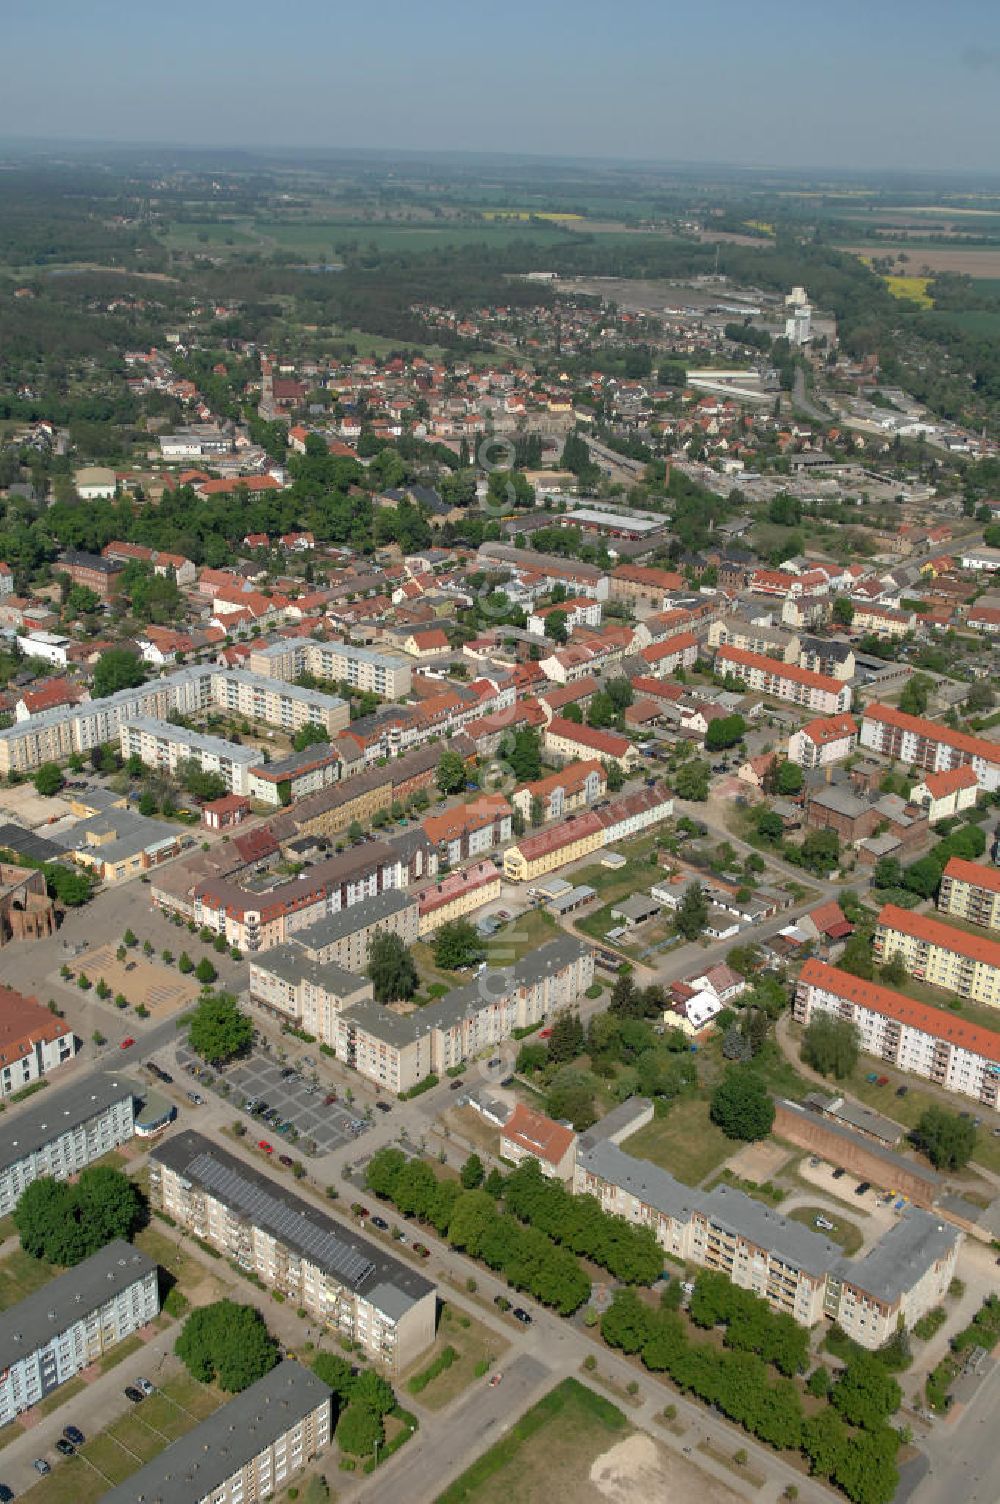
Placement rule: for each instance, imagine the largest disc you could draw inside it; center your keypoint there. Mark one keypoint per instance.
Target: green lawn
(845, 1234)
(21, 1275)
(473, 1342)
(685, 1142)
(546, 1456)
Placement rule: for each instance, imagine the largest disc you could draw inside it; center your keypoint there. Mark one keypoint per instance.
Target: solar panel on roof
(261, 1208)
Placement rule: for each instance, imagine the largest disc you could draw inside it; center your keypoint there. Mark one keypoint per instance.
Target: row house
(469, 830)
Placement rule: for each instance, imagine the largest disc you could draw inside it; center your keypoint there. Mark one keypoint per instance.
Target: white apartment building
(926, 1041)
(287, 985)
(928, 745)
(64, 1133)
(384, 674)
(785, 681)
(166, 747)
(823, 741)
(61, 1329)
(33, 1041)
(249, 1449)
(353, 1286)
(793, 1268)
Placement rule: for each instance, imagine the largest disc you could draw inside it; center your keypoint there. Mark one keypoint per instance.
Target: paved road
(963, 1454)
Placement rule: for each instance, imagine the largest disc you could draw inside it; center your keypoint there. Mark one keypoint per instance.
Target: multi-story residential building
(289, 986)
(579, 611)
(53, 735)
(468, 830)
(785, 681)
(351, 1285)
(971, 892)
(827, 655)
(661, 659)
(569, 741)
(102, 576)
(59, 1330)
(176, 566)
(576, 786)
(345, 937)
(294, 777)
(249, 1449)
(528, 1134)
(940, 954)
(943, 795)
(825, 740)
(793, 1268)
(166, 747)
(387, 675)
(754, 637)
(33, 1041)
(398, 1051)
(916, 1037)
(67, 1131)
(581, 833)
(928, 745)
(882, 621)
(456, 895)
(254, 920)
(363, 795)
(636, 585)
(51, 647)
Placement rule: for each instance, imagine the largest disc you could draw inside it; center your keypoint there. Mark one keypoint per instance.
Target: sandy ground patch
(24, 807)
(162, 988)
(759, 1162)
(637, 1469)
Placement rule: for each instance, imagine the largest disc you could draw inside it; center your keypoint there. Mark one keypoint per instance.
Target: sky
(862, 84)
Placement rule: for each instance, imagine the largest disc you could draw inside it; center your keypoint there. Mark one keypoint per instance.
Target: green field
(685, 1143)
(20, 1275)
(983, 321)
(845, 1234)
(320, 237)
(546, 1456)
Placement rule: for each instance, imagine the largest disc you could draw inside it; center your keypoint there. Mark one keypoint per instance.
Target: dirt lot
(636, 1469)
(972, 263)
(162, 988)
(25, 807)
(759, 1162)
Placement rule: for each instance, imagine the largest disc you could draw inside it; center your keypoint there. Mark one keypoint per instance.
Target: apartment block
(33, 1041)
(387, 675)
(345, 937)
(69, 1323)
(793, 1268)
(353, 1286)
(943, 795)
(166, 748)
(928, 745)
(456, 895)
(570, 742)
(639, 586)
(102, 576)
(396, 1051)
(576, 786)
(823, 741)
(288, 706)
(926, 1041)
(295, 777)
(249, 1449)
(785, 681)
(585, 831)
(754, 637)
(289, 986)
(469, 830)
(64, 1133)
(970, 892)
(940, 954)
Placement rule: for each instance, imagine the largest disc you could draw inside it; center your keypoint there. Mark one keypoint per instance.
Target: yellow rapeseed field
(913, 288)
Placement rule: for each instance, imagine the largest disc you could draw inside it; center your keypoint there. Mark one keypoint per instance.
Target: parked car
(136, 1396)
(65, 1448)
(384, 1106)
(882, 1081)
(127, 1042)
(495, 1380)
(6, 1496)
(380, 1223)
(145, 1385)
(363, 1212)
(458, 1082)
(74, 1434)
(521, 1315)
(41, 1466)
(839, 1173)
(195, 1099)
(495, 1062)
(422, 1249)
(330, 1098)
(264, 1146)
(286, 1160)
(824, 1223)
(862, 1187)
(901, 1091)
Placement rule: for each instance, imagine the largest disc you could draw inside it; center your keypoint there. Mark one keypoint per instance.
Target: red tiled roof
(539, 1135)
(939, 785)
(974, 746)
(829, 728)
(923, 1016)
(944, 936)
(24, 1023)
(780, 670)
(977, 876)
(607, 743)
(437, 895)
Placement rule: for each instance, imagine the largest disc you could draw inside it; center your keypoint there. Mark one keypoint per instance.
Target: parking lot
(292, 1100)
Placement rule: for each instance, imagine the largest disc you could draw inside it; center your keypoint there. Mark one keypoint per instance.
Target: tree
(831, 1045)
(359, 1430)
(205, 972)
(450, 776)
(916, 692)
(571, 1096)
(391, 968)
(692, 912)
(184, 963)
(556, 628)
(524, 754)
(567, 1038)
(147, 803)
(370, 1389)
(691, 780)
(866, 1394)
(228, 1344)
(309, 734)
(857, 956)
(615, 776)
(601, 712)
(742, 1107)
(337, 1373)
(895, 971)
(218, 1031)
(572, 712)
(843, 611)
(789, 779)
(117, 669)
(48, 780)
(355, 831)
(66, 1223)
(770, 827)
(458, 944)
(947, 1139)
(820, 851)
(725, 732)
(472, 1173)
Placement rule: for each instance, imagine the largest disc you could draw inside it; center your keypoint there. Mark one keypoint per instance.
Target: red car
(544, 1033)
(330, 1097)
(127, 1043)
(263, 1144)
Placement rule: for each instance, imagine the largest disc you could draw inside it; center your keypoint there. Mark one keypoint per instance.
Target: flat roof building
(65, 1132)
